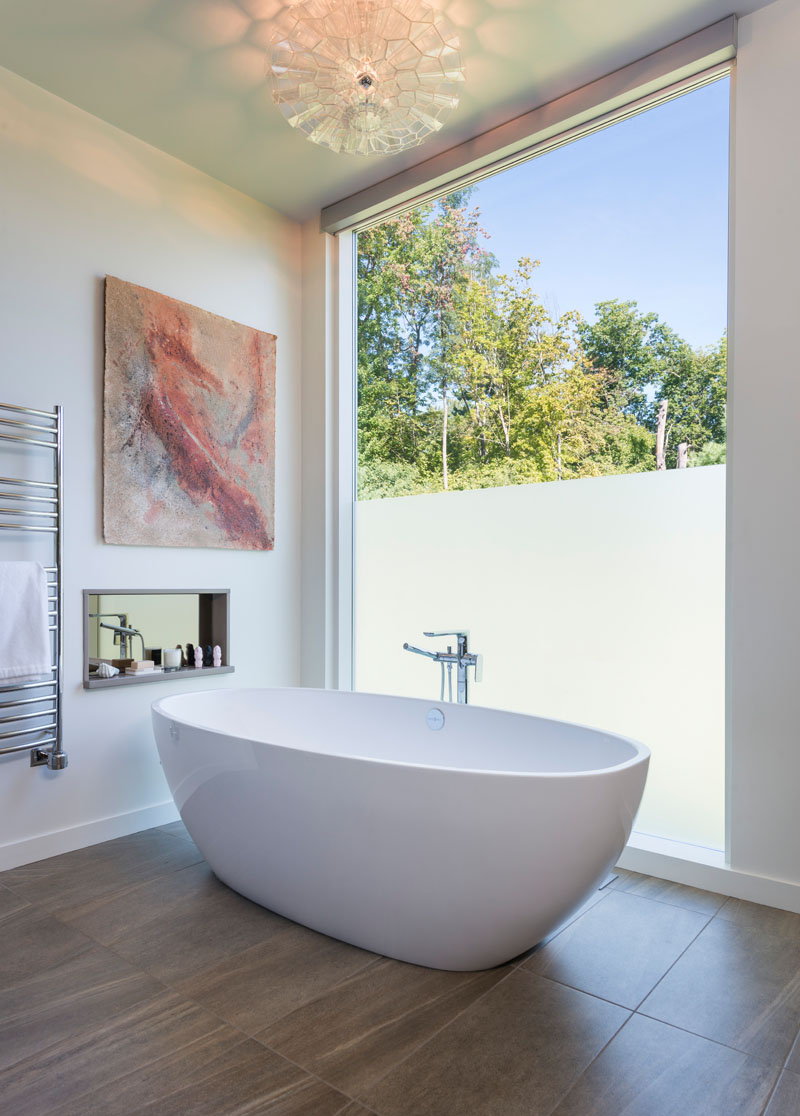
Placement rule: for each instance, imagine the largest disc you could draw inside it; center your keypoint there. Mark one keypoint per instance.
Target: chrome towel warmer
(37, 506)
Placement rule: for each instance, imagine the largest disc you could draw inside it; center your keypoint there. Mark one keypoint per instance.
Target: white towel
(24, 636)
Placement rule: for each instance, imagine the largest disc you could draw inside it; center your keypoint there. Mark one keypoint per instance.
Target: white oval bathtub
(456, 848)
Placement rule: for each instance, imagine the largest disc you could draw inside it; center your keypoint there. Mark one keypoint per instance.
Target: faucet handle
(451, 631)
(478, 664)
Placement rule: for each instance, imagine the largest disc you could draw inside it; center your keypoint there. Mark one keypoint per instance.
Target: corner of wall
(318, 343)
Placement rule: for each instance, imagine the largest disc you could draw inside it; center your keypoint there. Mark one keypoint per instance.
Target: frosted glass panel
(599, 601)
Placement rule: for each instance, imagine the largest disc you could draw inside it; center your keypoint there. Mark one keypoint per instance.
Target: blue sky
(637, 211)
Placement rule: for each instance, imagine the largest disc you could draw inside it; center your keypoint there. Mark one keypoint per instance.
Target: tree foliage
(466, 380)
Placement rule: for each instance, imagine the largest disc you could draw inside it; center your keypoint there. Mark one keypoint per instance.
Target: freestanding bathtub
(455, 847)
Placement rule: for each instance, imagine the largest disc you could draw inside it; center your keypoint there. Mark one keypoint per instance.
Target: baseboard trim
(80, 836)
(695, 866)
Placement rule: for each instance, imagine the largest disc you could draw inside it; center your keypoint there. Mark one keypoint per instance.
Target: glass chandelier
(367, 77)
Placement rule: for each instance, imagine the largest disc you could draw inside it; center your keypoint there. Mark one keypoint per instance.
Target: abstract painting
(189, 425)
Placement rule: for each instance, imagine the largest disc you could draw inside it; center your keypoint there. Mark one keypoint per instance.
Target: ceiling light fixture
(366, 77)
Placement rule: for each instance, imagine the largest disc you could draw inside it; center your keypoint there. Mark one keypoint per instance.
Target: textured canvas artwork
(189, 428)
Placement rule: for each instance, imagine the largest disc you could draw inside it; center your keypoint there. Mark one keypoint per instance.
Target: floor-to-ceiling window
(541, 443)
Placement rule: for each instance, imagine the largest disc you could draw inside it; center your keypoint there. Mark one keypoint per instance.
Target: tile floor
(132, 981)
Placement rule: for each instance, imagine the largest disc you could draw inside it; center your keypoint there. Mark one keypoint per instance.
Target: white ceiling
(188, 76)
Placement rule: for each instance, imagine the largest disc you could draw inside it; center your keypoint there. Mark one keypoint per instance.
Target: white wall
(600, 601)
(764, 561)
(79, 200)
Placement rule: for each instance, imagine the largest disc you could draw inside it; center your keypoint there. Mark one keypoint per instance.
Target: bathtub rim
(641, 754)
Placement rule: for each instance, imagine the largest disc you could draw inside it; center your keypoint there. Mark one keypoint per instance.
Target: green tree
(643, 362)
(466, 380)
(712, 453)
(695, 385)
(528, 389)
(626, 349)
(392, 315)
(412, 271)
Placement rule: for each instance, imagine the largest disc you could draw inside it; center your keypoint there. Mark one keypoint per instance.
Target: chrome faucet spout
(462, 658)
(419, 651)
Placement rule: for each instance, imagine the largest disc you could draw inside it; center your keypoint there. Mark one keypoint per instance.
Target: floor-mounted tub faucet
(462, 658)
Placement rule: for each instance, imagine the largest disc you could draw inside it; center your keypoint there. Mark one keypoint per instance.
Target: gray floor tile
(35, 943)
(650, 1069)
(679, 895)
(128, 1057)
(64, 883)
(515, 1052)
(620, 948)
(786, 1098)
(10, 903)
(176, 829)
(178, 925)
(626, 878)
(793, 1061)
(78, 994)
(753, 916)
(165, 1057)
(361, 1028)
(737, 986)
(88, 1028)
(265, 1084)
(260, 985)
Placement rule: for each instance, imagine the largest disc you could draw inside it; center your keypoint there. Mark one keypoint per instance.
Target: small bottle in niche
(208, 656)
(217, 655)
(189, 654)
(198, 657)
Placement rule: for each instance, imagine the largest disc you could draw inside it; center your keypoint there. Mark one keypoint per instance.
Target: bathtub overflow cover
(435, 719)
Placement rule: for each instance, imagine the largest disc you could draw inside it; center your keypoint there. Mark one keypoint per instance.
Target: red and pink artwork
(189, 425)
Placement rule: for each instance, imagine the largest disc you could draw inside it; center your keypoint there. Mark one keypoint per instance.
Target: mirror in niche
(136, 634)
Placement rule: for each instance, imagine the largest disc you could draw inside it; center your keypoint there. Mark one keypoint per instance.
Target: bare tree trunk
(683, 455)
(480, 420)
(444, 434)
(661, 449)
(506, 430)
(558, 462)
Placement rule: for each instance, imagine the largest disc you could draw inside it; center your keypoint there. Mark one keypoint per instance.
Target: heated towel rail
(31, 505)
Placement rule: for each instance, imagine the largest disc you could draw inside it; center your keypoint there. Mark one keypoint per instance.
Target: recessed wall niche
(130, 624)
